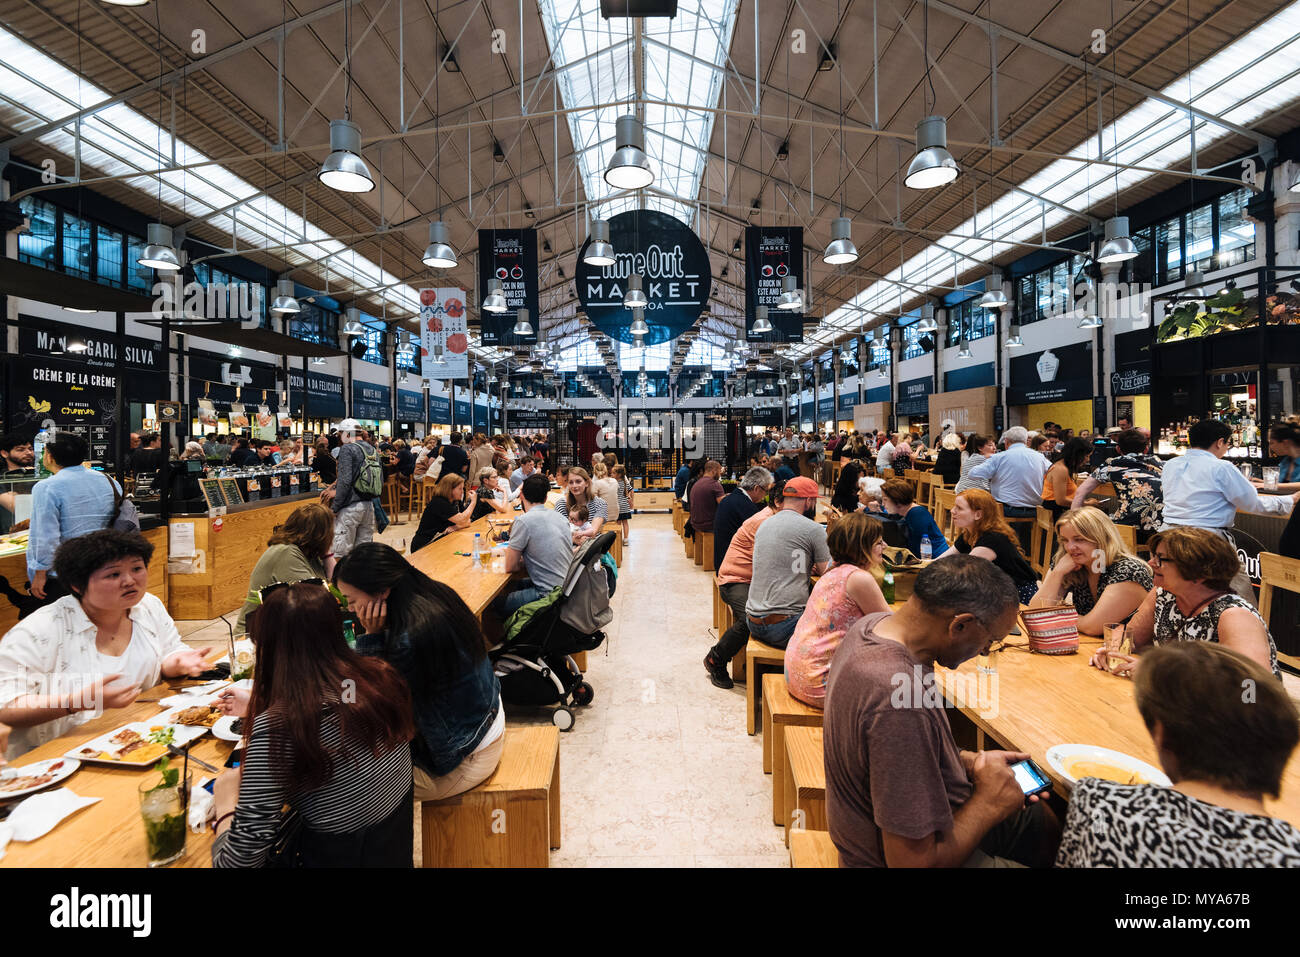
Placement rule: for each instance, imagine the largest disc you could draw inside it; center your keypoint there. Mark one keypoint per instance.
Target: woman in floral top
(841, 596)
(1104, 581)
(1136, 477)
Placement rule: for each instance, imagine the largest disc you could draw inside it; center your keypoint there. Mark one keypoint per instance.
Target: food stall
(1055, 385)
(316, 400)
(372, 406)
(969, 410)
(912, 410)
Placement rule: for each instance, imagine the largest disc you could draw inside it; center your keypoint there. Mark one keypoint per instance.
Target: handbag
(1052, 629)
(125, 517)
(286, 852)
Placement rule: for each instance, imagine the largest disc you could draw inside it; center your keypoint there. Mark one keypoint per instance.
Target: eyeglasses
(269, 589)
(1157, 560)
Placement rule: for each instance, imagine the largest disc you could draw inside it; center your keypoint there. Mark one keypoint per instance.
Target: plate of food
(229, 728)
(18, 782)
(136, 745)
(1075, 761)
(192, 716)
(187, 700)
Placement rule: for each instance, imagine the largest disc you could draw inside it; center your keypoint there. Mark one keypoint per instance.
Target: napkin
(37, 816)
(6, 832)
(201, 807)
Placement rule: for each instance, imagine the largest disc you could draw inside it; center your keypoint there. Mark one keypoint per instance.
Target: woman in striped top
(580, 493)
(330, 733)
(625, 496)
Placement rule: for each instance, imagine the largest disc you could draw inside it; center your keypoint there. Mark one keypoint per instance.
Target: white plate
(1060, 756)
(169, 717)
(187, 700)
(66, 767)
(181, 737)
(222, 729)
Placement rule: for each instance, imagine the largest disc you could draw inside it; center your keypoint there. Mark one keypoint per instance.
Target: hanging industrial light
(926, 323)
(634, 297)
(639, 327)
(344, 169)
(840, 250)
(638, 342)
(1117, 247)
(629, 168)
(284, 301)
(1090, 321)
(964, 351)
(1013, 337)
(495, 300)
(932, 165)
(405, 349)
(439, 254)
(762, 325)
(522, 326)
(791, 297)
(599, 251)
(353, 327)
(159, 253)
(994, 296)
(318, 361)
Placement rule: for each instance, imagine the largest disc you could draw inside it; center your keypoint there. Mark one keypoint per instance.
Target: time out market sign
(674, 270)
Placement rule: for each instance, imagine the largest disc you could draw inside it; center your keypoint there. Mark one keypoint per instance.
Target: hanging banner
(464, 413)
(69, 396)
(324, 395)
(509, 255)
(674, 270)
(443, 323)
(439, 409)
(771, 254)
(371, 400)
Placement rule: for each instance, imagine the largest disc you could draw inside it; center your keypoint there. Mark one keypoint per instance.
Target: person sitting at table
(841, 596)
(1059, 485)
(1136, 478)
(845, 495)
(1284, 442)
(1193, 601)
(981, 531)
(788, 548)
(95, 648)
(578, 484)
(427, 632)
(899, 792)
(979, 449)
(527, 466)
(444, 510)
(342, 761)
(947, 464)
(298, 549)
(1224, 752)
(486, 499)
(605, 486)
(1091, 559)
(918, 523)
(540, 543)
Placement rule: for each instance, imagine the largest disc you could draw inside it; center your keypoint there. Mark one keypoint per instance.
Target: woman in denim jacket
(424, 630)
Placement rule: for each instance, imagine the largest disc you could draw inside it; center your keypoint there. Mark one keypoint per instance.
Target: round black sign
(674, 267)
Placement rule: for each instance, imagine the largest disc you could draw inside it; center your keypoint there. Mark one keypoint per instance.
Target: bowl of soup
(1074, 762)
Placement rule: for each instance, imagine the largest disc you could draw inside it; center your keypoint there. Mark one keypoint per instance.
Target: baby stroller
(533, 661)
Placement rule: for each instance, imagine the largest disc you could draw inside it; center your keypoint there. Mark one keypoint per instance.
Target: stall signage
(826, 407)
(1132, 375)
(439, 408)
(878, 394)
(848, 400)
(104, 349)
(1062, 374)
(464, 413)
(371, 400)
(324, 395)
(509, 255)
(771, 254)
(410, 406)
(70, 396)
(674, 268)
(914, 396)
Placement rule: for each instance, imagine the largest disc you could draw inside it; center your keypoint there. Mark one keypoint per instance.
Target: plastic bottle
(888, 585)
(927, 550)
(42, 439)
(478, 555)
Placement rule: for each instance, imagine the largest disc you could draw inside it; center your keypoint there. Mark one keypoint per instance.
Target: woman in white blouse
(94, 649)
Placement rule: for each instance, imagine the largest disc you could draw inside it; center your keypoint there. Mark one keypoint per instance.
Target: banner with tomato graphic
(443, 323)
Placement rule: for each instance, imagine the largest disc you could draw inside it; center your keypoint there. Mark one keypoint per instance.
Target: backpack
(369, 481)
(125, 517)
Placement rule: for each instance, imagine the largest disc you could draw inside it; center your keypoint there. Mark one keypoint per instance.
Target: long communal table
(1038, 701)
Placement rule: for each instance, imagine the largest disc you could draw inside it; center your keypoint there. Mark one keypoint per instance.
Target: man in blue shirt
(782, 472)
(526, 467)
(1015, 477)
(679, 483)
(73, 501)
(737, 506)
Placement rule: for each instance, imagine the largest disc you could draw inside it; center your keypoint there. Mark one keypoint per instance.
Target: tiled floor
(658, 771)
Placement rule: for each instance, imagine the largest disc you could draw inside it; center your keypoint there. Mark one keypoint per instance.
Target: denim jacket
(453, 720)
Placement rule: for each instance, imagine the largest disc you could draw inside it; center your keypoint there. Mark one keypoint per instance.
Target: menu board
(230, 491)
(211, 489)
(70, 396)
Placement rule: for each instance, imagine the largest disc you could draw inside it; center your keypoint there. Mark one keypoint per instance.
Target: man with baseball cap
(788, 548)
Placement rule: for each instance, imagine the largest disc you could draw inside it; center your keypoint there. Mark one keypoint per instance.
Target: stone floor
(658, 769)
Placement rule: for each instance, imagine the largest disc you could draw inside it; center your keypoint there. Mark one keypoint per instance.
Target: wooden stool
(707, 546)
(813, 849)
(511, 819)
(580, 660)
(690, 546)
(758, 655)
(697, 552)
(805, 782)
(781, 710)
(615, 550)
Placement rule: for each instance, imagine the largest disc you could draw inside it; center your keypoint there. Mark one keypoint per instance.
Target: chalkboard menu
(211, 489)
(230, 491)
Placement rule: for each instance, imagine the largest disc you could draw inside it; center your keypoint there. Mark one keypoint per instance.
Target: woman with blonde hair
(1091, 560)
(841, 596)
(298, 550)
(444, 510)
(983, 532)
(606, 487)
(580, 492)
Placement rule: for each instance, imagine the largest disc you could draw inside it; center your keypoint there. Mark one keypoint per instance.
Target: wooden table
(477, 587)
(1045, 700)
(111, 833)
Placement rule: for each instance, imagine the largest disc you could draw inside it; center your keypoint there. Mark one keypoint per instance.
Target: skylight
(1251, 78)
(683, 61)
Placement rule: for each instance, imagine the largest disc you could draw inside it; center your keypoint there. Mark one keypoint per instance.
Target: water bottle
(887, 586)
(42, 439)
(478, 556)
(927, 550)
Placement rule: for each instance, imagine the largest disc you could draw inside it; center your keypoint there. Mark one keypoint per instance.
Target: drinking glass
(1245, 470)
(163, 810)
(1113, 636)
(988, 664)
(1270, 476)
(399, 544)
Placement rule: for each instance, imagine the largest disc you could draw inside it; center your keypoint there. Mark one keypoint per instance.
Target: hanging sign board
(443, 322)
(771, 254)
(509, 255)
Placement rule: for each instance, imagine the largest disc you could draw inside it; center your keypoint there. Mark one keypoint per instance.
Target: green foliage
(170, 775)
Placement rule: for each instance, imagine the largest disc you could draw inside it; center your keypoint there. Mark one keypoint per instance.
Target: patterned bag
(1052, 629)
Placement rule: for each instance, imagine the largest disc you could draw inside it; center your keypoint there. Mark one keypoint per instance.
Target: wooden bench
(805, 781)
(758, 655)
(510, 820)
(813, 849)
(781, 710)
(615, 550)
(708, 551)
(690, 544)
